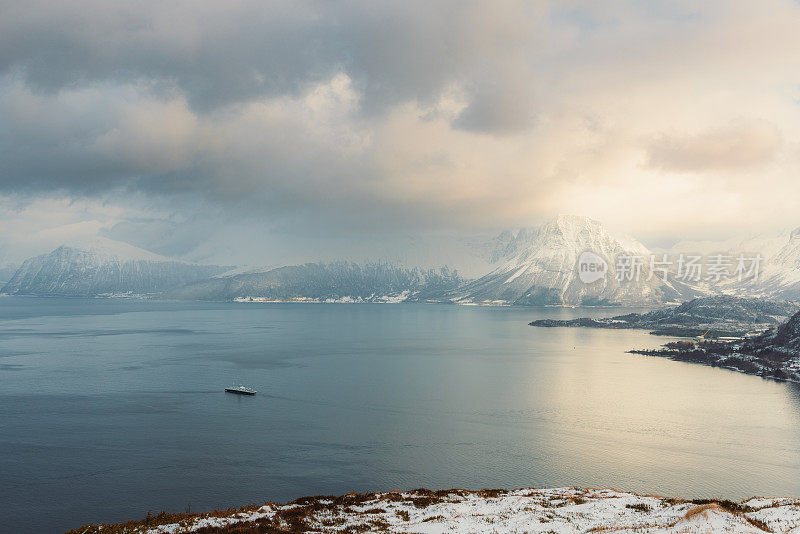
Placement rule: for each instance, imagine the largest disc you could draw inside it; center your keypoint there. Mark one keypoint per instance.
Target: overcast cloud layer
(180, 125)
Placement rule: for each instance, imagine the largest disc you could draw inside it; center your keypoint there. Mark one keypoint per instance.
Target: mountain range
(532, 266)
(333, 282)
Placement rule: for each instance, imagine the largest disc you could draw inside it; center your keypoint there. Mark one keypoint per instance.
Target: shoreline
(310, 300)
(488, 510)
(742, 363)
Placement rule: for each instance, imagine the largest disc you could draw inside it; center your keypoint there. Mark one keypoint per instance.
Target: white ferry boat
(240, 390)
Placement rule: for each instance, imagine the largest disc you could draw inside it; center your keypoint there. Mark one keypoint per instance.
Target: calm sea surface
(112, 408)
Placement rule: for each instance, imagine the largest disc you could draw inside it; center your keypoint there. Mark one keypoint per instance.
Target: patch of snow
(245, 269)
(516, 274)
(383, 299)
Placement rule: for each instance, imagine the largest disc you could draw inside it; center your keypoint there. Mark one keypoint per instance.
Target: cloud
(214, 53)
(90, 139)
(233, 52)
(739, 146)
(312, 119)
(498, 108)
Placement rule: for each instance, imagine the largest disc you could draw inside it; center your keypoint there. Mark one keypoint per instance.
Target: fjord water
(113, 408)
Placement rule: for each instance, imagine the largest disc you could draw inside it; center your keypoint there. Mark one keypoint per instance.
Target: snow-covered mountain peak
(570, 228)
(563, 232)
(582, 231)
(542, 268)
(565, 222)
(571, 235)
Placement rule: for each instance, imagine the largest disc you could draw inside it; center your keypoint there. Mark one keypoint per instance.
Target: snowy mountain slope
(542, 270)
(781, 273)
(103, 267)
(7, 270)
(767, 244)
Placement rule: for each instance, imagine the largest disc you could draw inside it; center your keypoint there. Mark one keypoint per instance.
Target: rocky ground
(560, 510)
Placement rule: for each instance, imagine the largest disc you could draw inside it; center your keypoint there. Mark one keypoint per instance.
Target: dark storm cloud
(159, 98)
(498, 107)
(216, 52)
(222, 52)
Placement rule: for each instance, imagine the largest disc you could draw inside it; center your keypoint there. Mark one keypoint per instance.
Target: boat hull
(239, 391)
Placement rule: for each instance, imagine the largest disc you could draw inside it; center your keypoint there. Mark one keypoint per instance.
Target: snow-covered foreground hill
(561, 510)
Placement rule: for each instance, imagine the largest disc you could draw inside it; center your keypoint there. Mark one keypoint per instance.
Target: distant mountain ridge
(337, 282)
(107, 267)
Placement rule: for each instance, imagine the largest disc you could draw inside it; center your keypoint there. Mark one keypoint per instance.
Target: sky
(267, 132)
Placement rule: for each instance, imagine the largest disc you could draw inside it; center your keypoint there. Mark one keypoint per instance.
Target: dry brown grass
(639, 507)
(729, 507)
(152, 521)
(702, 508)
(758, 524)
